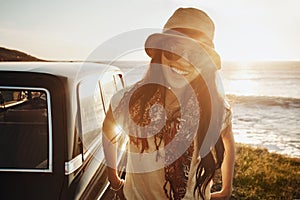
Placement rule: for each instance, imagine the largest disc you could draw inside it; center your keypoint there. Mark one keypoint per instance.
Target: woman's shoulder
(121, 94)
(227, 117)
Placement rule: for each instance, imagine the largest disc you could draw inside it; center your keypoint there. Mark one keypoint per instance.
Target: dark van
(51, 118)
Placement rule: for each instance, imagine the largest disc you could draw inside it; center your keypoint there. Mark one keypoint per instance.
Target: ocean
(265, 100)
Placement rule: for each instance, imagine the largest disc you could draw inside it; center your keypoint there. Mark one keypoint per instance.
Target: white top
(150, 185)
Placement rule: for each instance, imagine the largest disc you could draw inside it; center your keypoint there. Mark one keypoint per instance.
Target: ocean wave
(285, 102)
(271, 78)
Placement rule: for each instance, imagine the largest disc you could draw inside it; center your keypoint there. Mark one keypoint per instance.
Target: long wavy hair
(205, 96)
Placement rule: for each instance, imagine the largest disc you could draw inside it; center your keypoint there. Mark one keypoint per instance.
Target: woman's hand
(118, 189)
(221, 195)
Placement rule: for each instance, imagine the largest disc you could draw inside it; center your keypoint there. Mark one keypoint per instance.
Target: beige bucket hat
(178, 28)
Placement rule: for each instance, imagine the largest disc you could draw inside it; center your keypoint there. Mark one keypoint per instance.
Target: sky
(246, 30)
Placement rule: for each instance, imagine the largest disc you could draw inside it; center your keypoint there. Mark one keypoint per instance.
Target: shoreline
(239, 146)
(268, 149)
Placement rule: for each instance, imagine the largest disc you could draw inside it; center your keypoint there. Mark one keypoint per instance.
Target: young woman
(178, 123)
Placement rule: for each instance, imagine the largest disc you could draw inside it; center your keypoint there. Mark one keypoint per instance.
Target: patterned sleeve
(227, 119)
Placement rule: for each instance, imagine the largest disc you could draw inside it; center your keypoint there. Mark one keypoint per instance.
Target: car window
(108, 89)
(91, 111)
(94, 98)
(26, 133)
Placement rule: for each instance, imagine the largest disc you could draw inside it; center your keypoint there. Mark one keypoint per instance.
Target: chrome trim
(72, 165)
(50, 154)
(50, 132)
(26, 170)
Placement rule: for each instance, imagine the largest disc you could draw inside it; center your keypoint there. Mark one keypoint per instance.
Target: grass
(263, 175)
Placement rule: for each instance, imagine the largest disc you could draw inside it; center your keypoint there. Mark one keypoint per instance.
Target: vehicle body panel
(76, 163)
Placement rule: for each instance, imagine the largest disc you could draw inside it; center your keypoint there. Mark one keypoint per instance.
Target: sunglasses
(171, 56)
(188, 55)
(176, 50)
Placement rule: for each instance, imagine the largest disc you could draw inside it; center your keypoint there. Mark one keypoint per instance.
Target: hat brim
(156, 42)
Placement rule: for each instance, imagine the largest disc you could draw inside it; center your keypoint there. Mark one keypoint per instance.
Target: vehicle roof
(70, 70)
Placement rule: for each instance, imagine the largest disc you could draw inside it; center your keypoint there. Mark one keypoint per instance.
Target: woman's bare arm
(110, 152)
(227, 167)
